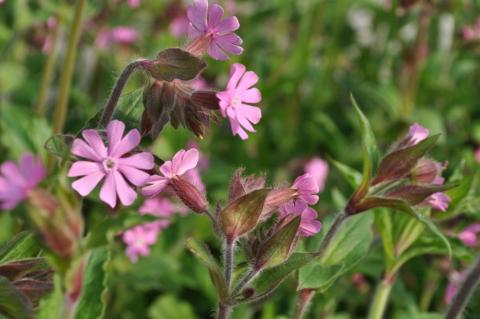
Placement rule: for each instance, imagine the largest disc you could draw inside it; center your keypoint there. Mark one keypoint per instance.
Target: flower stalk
(382, 293)
(305, 297)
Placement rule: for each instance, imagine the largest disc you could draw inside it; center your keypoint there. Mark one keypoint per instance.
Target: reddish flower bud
(428, 171)
(240, 185)
(277, 198)
(189, 194)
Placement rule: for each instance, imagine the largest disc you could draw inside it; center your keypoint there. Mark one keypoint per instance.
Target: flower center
(236, 101)
(109, 164)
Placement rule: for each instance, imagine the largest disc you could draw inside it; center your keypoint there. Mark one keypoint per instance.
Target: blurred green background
(404, 61)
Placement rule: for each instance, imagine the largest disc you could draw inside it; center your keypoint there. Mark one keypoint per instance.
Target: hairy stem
(224, 311)
(244, 281)
(66, 77)
(229, 246)
(339, 220)
(47, 75)
(117, 90)
(465, 292)
(306, 295)
(379, 303)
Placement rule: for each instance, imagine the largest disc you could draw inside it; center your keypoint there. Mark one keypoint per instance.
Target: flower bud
(277, 198)
(428, 171)
(240, 185)
(189, 194)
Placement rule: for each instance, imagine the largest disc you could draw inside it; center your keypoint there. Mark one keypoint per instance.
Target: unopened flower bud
(248, 292)
(428, 171)
(277, 198)
(189, 194)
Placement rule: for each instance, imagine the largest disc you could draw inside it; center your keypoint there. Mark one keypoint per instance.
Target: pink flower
(180, 164)
(307, 188)
(416, 134)
(439, 201)
(469, 235)
(233, 101)
(309, 225)
(161, 207)
(134, 3)
(110, 163)
(207, 29)
(140, 238)
(455, 280)
(179, 26)
(477, 155)
(16, 180)
(318, 169)
(118, 35)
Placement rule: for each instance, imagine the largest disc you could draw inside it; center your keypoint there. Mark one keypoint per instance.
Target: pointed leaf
(400, 163)
(242, 215)
(353, 177)
(278, 247)
(369, 143)
(201, 251)
(23, 245)
(13, 304)
(175, 63)
(415, 194)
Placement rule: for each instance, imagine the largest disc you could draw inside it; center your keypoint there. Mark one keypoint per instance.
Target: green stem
(66, 77)
(380, 299)
(339, 220)
(41, 106)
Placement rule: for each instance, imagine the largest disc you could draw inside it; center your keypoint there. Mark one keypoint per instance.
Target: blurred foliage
(403, 65)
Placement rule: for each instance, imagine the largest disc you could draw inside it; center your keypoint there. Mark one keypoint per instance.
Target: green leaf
(201, 251)
(273, 276)
(277, 248)
(89, 306)
(175, 63)
(349, 246)
(353, 177)
(383, 223)
(370, 148)
(241, 215)
(402, 206)
(399, 163)
(169, 307)
(104, 231)
(60, 145)
(52, 305)
(13, 304)
(23, 245)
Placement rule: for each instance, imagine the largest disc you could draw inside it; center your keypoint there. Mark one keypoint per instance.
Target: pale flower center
(236, 102)
(109, 164)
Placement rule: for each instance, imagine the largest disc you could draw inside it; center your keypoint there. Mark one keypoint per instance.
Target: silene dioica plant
(260, 226)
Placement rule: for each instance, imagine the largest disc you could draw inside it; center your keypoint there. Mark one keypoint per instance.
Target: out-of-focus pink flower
(118, 35)
(199, 83)
(110, 163)
(455, 280)
(235, 101)
(307, 188)
(318, 169)
(161, 207)
(207, 30)
(179, 26)
(134, 3)
(16, 180)
(471, 32)
(309, 225)
(202, 159)
(358, 279)
(416, 134)
(477, 155)
(47, 44)
(140, 238)
(439, 201)
(469, 235)
(180, 164)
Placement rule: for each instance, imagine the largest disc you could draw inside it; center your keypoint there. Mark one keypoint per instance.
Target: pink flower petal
(11, 172)
(133, 175)
(95, 141)
(32, 169)
(83, 168)
(197, 14)
(108, 192)
(166, 169)
(127, 144)
(86, 184)
(82, 149)
(244, 122)
(252, 113)
(215, 14)
(155, 185)
(126, 193)
(228, 47)
(142, 160)
(236, 72)
(248, 80)
(115, 130)
(188, 160)
(216, 52)
(251, 96)
(229, 24)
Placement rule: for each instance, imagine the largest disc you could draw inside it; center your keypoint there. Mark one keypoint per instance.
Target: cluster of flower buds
(405, 175)
(248, 217)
